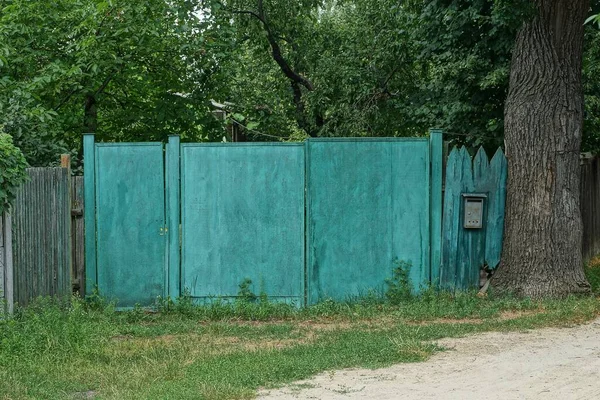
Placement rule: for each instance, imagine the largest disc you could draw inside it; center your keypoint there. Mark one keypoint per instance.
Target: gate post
(89, 190)
(173, 217)
(435, 154)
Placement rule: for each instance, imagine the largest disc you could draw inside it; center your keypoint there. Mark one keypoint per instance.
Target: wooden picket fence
(466, 251)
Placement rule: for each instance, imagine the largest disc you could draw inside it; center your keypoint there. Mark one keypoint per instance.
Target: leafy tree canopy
(140, 71)
(125, 70)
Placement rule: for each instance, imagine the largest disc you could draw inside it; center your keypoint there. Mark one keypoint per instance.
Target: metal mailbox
(474, 205)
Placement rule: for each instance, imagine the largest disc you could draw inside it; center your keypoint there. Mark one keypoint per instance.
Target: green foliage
(593, 19)
(374, 68)
(591, 87)
(12, 171)
(125, 70)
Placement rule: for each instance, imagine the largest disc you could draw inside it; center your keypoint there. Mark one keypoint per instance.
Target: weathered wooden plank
(464, 257)
(77, 233)
(449, 229)
(2, 257)
(459, 179)
(477, 237)
(9, 283)
(437, 163)
(498, 172)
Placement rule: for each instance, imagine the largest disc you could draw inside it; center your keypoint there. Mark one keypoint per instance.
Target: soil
(552, 363)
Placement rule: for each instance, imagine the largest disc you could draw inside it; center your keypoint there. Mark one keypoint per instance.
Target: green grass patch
(76, 349)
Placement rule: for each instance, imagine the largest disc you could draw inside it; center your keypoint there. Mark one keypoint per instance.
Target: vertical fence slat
(89, 168)
(2, 258)
(477, 237)
(464, 267)
(9, 291)
(590, 207)
(77, 234)
(458, 180)
(496, 202)
(436, 156)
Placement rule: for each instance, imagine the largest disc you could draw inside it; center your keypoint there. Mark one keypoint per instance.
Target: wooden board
(77, 234)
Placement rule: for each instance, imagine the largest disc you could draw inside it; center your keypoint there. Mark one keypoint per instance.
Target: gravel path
(553, 363)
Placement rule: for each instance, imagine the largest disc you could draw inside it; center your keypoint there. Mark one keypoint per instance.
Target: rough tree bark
(543, 127)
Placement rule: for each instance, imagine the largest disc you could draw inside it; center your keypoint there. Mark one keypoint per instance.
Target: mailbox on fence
(474, 207)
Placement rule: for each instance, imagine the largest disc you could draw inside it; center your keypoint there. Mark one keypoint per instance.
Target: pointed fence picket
(466, 251)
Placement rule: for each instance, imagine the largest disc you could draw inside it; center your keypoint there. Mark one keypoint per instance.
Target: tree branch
(275, 48)
(107, 81)
(297, 81)
(64, 101)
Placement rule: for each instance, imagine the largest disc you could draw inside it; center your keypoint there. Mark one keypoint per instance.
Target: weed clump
(399, 288)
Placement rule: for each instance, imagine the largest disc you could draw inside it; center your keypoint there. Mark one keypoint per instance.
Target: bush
(12, 170)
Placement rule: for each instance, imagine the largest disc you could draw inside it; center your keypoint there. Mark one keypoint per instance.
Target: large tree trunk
(543, 127)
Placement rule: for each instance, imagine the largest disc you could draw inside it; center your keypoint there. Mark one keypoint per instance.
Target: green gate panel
(368, 205)
(242, 215)
(130, 207)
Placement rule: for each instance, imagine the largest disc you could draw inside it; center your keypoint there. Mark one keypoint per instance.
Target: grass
(75, 349)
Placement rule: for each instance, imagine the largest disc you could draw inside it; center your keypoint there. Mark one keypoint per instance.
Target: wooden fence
(466, 250)
(590, 206)
(43, 253)
(41, 235)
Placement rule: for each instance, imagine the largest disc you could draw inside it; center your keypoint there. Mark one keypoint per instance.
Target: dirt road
(542, 364)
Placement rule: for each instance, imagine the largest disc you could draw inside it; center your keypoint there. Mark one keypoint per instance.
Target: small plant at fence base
(245, 294)
(399, 288)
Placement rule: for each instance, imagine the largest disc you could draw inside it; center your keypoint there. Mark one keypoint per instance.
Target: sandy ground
(542, 364)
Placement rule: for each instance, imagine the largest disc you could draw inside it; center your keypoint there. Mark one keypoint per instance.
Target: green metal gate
(128, 226)
(370, 207)
(326, 218)
(242, 219)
